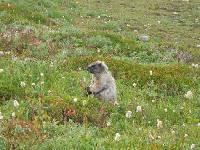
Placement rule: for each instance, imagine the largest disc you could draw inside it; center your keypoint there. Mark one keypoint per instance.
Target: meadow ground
(45, 46)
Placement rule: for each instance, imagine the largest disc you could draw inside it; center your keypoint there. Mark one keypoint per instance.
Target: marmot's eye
(93, 66)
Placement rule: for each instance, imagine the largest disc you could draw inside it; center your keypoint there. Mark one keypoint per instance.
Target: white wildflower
(198, 124)
(128, 114)
(15, 103)
(84, 102)
(116, 103)
(165, 109)
(174, 110)
(159, 124)
(151, 72)
(159, 137)
(134, 84)
(189, 95)
(49, 91)
(117, 137)
(108, 123)
(198, 46)
(175, 13)
(99, 17)
(1, 116)
(23, 84)
(192, 146)
(1, 70)
(13, 114)
(158, 22)
(172, 131)
(186, 135)
(42, 82)
(75, 100)
(41, 74)
(195, 65)
(139, 109)
(33, 84)
(151, 136)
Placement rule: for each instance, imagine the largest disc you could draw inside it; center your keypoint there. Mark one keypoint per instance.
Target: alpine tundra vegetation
(151, 48)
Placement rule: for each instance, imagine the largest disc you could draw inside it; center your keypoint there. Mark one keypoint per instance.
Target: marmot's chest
(102, 80)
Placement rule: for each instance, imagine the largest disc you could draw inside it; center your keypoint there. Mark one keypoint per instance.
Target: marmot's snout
(91, 69)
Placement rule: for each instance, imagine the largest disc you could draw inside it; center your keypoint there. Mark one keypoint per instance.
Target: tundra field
(152, 48)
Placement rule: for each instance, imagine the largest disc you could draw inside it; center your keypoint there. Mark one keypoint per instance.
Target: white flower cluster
(189, 95)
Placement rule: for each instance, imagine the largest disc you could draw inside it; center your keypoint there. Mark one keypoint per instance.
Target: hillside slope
(45, 47)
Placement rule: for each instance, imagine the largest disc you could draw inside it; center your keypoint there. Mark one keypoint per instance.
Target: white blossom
(134, 84)
(1, 70)
(175, 13)
(172, 131)
(128, 114)
(41, 74)
(108, 123)
(33, 84)
(189, 95)
(198, 124)
(117, 137)
(42, 82)
(192, 146)
(49, 91)
(13, 114)
(1, 116)
(116, 103)
(151, 72)
(139, 109)
(165, 109)
(75, 100)
(23, 84)
(16, 103)
(159, 124)
(195, 65)
(186, 135)
(84, 102)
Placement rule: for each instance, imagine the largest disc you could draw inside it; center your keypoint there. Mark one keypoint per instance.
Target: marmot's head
(97, 67)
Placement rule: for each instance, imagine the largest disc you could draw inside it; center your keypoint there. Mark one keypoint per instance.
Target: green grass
(60, 38)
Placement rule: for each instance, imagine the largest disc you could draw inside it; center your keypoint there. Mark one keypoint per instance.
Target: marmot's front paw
(88, 92)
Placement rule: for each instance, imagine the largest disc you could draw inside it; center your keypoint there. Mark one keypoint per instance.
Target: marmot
(103, 84)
